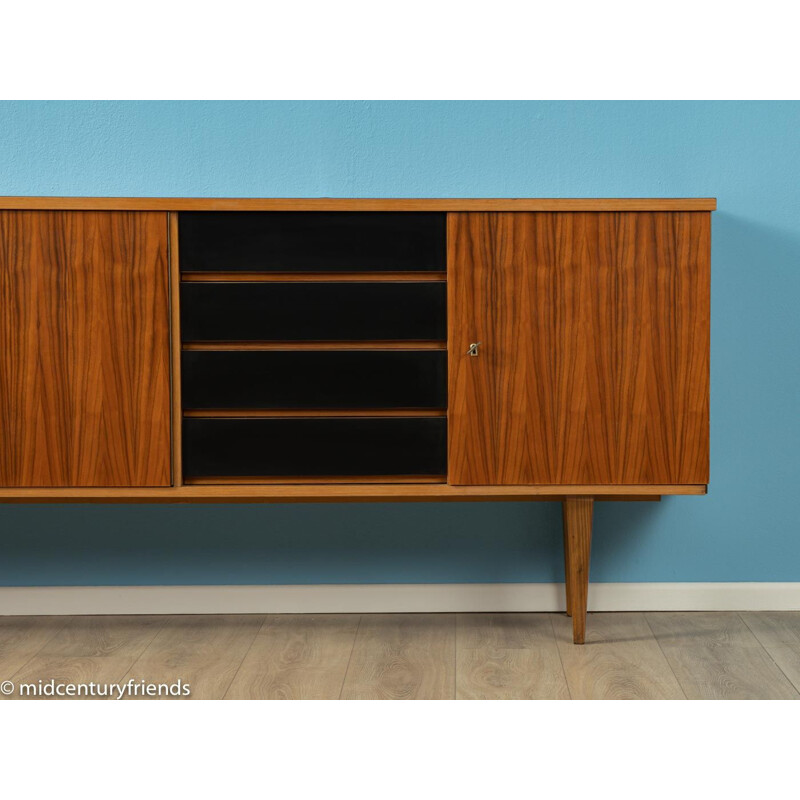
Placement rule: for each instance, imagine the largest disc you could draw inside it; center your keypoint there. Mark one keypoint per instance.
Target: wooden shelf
(313, 277)
(330, 480)
(325, 412)
(356, 345)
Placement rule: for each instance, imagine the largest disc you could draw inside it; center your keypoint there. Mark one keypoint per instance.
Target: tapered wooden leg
(577, 513)
(566, 563)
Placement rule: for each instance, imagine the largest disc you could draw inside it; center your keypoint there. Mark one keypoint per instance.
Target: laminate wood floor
(665, 655)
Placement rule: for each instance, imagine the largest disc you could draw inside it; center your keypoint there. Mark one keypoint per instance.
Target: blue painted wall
(745, 154)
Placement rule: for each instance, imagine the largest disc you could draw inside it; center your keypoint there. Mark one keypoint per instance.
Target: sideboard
(291, 350)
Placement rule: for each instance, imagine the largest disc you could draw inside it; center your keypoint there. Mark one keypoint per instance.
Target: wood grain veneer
(84, 349)
(594, 363)
(361, 204)
(175, 350)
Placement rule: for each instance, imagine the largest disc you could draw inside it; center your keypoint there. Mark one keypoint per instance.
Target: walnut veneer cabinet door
(593, 362)
(84, 349)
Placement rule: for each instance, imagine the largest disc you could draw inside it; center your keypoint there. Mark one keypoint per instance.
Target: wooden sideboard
(289, 350)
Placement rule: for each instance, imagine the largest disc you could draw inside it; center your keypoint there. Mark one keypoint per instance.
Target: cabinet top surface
(358, 204)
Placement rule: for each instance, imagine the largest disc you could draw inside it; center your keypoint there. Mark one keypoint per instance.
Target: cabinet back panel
(314, 447)
(594, 367)
(379, 379)
(84, 349)
(285, 241)
(313, 311)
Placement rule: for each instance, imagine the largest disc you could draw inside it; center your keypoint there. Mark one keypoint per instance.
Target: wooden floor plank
(104, 635)
(621, 660)
(707, 628)
(297, 657)
(402, 657)
(204, 651)
(666, 654)
(21, 638)
(779, 634)
(729, 673)
(715, 656)
(774, 628)
(508, 657)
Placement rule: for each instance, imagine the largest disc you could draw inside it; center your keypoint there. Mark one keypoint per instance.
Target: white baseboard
(388, 598)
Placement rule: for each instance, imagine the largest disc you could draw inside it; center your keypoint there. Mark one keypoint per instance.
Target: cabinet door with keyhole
(592, 366)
